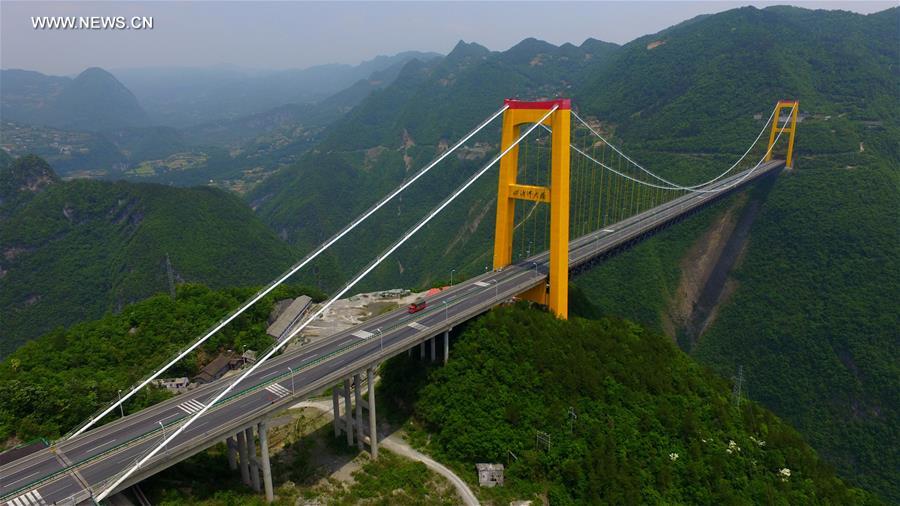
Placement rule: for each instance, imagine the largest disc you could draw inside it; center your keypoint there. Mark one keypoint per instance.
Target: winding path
(396, 444)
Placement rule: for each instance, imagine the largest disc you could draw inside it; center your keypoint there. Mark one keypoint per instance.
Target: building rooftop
(289, 316)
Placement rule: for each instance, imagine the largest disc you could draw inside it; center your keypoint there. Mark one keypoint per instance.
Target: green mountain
(713, 73)
(92, 101)
(684, 101)
(74, 250)
(796, 283)
(602, 412)
(52, 383)
(399, 129)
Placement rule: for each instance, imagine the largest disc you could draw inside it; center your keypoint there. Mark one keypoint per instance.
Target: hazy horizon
(255, 36)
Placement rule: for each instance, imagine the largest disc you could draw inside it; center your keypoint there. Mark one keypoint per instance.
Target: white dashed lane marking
(278, 390)
(417, 326)
(31, 498)
(191, 406)
(362, 334)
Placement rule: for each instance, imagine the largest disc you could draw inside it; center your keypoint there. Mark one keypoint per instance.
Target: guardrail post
(348, 412)
(262, 429)
(357, 393)
(251, 450)
(245, 459)
(373, 431)
(232, 453)
(336, 406)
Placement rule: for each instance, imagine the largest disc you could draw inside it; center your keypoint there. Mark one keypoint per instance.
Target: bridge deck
(71, 469)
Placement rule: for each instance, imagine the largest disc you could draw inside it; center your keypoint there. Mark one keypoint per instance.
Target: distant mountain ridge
(93, 101)
(183, 97)
(233, 152)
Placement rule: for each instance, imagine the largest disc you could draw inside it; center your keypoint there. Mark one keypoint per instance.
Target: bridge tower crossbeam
(518, 113)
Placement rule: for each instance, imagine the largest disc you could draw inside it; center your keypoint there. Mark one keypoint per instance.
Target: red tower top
(562, 103)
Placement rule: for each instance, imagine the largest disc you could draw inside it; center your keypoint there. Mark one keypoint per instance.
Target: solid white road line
(25, 478)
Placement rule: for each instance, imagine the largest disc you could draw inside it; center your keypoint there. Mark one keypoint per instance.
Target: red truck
(418, 305)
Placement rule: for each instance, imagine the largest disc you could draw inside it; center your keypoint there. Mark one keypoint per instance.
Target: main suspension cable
(660, 178)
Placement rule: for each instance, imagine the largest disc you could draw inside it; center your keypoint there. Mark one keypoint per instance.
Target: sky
(279, 35)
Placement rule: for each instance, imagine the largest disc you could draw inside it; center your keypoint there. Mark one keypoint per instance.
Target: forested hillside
(626, 418)
(74, 250)
(810, 315)
(56, 381)
(398, 130)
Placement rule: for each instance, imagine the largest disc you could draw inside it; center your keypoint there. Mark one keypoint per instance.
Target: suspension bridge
(584, 200)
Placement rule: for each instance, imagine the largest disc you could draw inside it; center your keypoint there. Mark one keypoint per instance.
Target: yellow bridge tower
(555, 293)
(794, 106)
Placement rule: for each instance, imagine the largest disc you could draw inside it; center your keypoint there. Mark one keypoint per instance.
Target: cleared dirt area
(696, 268)
(705, 284)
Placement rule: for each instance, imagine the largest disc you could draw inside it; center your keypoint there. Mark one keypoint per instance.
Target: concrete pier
(336, 406)
(373, 431)
(251, 451)
(348, 412)
(231, 446)
(263, 429)
(245, 459)
(354, 423)
(357, 396)
(446, 346)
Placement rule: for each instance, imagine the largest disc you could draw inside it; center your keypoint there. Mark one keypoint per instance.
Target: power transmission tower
(542, 439)
(170, 274)
(736, 391)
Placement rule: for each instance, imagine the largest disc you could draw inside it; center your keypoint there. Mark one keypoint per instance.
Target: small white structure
(396, 293)
(490, 475)
(174, 385)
